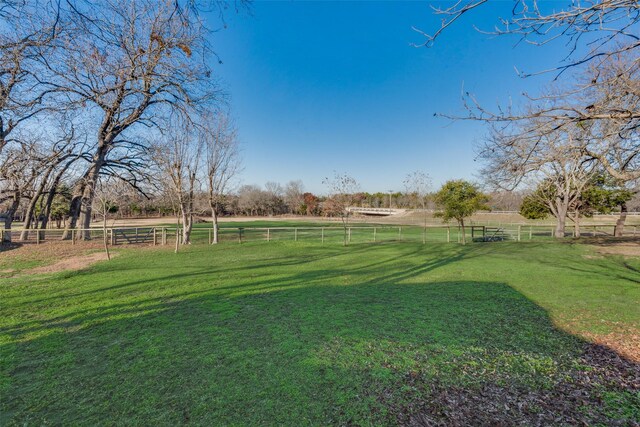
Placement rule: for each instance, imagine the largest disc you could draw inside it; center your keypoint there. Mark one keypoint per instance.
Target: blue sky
(321, 86)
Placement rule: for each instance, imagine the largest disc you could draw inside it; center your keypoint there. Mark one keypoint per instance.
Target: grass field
(297, 333)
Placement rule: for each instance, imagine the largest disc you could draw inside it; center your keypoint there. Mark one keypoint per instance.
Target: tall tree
(294, 196)
(177, 159)
(221, 147)
(128, 66)
(602, 92)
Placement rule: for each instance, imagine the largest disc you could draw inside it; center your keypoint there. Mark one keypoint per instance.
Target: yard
(300, 333)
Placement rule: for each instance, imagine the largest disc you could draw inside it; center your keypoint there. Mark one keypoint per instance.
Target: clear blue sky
(323, 86)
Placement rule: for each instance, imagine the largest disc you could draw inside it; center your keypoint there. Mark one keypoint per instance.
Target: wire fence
(330, 234)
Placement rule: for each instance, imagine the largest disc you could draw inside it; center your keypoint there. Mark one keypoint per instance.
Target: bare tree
(591, 29)
(27, 31)
(417, 185)
(56, 158)
(20, 167)
(177, 158)
(105, 201)
(252, 200)
(342, 195)
(273, 193)
(222, 162)
(537, 153)
(128, 66)
(294, 196)
(603, 95)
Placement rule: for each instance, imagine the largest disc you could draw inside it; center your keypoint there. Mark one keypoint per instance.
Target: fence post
(374, 234)
(551, 234)
(634, 229)
(399, 233)
(137, 235)
(268, 234)
(295, 234)
(37, 237)
(519, 229)
(322, 234)
(155, 237)
(530, 232)
(349, 236)
(73, 237)
(164, 235)
(448, 234)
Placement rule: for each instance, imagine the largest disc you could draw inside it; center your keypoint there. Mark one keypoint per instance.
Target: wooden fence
(330, 234)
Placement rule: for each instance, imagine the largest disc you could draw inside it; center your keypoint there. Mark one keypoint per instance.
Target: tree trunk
(619, 230)
(28, 218)
(424, 235)
(8, 217)
(87, 201)
(560, 226)
(88, 183)
(187, 225)
(104, 231)
(177, 233)
(464, 234)
(214, 221)
(561, 209)
(74, 208)
(576, 225)
(46, 212)
(345, 224)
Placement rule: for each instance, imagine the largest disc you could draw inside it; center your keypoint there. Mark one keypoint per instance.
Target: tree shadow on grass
(319, 346)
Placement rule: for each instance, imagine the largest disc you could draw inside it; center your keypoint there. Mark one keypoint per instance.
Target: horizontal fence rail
(329, 234)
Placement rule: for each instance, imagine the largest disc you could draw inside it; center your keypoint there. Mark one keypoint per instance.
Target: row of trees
(110, 90)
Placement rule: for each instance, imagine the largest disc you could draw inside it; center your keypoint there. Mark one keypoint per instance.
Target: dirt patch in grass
(49, 257)
(630, 249)
(74, 263)
(625, 246)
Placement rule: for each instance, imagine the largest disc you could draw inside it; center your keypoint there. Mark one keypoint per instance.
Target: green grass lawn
(299, 333)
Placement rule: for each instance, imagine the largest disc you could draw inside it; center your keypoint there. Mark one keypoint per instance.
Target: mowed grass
(299, 333)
